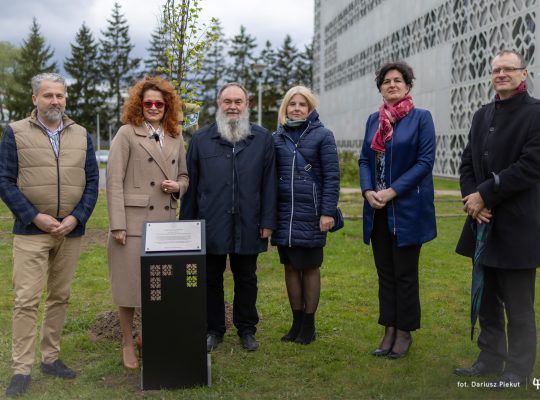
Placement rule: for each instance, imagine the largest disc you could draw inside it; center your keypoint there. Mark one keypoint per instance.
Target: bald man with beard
(233, 187)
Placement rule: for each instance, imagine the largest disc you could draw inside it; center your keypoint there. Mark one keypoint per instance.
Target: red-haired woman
(146, 175)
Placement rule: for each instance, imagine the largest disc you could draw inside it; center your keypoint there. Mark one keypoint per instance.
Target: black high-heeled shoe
(389, 336)
(394, 355)
(380, 352)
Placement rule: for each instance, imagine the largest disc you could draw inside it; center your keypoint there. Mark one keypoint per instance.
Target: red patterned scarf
(388, 116)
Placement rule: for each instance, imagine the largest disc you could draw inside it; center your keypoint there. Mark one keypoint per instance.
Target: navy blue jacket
(409, 158)
(301, 202)
(19, 205)
(233, 188)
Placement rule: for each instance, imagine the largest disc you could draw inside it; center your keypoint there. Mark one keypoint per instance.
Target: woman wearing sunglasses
(146, 175)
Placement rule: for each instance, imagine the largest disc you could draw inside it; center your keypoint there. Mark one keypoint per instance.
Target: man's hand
(265, 233)
(66, 226)
(45, 222)
(473, 204)
(484, 216)
(119, 236)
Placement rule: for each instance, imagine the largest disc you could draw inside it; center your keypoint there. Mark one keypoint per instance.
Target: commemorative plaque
(173, 297)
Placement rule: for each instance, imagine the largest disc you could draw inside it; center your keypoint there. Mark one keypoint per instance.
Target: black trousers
(397, 267)
(510, 290)
(245, 315)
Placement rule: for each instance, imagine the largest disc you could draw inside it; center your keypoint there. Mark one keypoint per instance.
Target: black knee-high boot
(307, 333)
(298, 316)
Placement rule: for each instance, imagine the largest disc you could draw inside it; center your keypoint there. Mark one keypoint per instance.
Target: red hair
(133, 113)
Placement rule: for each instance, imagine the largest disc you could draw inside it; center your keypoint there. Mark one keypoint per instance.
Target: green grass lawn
(336, 366)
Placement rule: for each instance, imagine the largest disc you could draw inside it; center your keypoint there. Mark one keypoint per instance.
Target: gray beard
(53, 115)
(233, 130)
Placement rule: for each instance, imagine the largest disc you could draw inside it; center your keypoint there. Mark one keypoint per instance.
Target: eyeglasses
(505, 70)
(158, 104)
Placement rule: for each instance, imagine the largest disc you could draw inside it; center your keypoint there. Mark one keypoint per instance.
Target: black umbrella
(477, 287)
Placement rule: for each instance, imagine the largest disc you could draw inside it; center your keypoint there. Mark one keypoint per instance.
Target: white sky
(60, 20)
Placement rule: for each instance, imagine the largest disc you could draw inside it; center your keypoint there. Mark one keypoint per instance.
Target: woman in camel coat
(146, 175)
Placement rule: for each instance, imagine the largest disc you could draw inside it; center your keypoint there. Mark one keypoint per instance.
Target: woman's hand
(386, 195)
(374, 199)
(326, 223)
(169, 186)
(119, 236)
(379, 199)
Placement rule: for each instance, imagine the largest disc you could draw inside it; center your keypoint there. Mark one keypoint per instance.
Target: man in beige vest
(49, 180)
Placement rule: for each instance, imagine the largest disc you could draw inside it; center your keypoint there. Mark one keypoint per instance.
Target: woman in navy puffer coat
(308, 193)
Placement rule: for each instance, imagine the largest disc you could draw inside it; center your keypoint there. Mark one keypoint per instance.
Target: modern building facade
(449, 44)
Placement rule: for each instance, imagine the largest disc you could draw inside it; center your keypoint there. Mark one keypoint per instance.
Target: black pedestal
(173, 289)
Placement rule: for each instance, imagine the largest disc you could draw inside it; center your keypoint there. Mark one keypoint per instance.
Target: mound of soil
(107, 324)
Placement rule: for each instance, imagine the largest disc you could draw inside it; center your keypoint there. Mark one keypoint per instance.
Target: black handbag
(339, 222)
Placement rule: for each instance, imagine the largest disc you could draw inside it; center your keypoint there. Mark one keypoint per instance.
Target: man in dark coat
(500, 184)
(233, 187)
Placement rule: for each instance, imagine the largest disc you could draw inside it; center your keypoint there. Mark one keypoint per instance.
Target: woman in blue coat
(396, 166)
(308, 193)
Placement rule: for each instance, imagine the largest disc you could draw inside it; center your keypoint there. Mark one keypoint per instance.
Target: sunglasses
(158, 104)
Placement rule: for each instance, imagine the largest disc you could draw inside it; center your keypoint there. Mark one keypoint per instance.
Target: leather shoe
(401, 337)
(509, 380)
(380, 352)
(18, 385)
(392, 355)
(212, 341)
(249, 342)
(59, 369)
(478, 369)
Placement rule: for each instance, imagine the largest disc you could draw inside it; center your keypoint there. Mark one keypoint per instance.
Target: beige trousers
(40, 261)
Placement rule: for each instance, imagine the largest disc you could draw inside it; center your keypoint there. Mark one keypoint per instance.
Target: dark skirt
(301, 257)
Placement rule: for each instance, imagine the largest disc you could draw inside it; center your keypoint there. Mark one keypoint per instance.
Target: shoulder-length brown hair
(133, 113)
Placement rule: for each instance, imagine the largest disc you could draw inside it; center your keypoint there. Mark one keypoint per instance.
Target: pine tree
(241, 52)
(117, 67)
(157, 59)
(8, 63)
(213, 75)
(271, 97)
(285, 68)
(304, 65)
(84, 99)
(34, 58)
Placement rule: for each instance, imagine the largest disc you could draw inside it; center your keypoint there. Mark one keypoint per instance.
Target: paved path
(102, 178)
(344, 190)
(347, 190)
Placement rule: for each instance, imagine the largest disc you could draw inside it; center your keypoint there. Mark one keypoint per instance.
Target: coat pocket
(136, 208)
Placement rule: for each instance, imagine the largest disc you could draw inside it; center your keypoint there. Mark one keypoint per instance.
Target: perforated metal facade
(448, 43)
